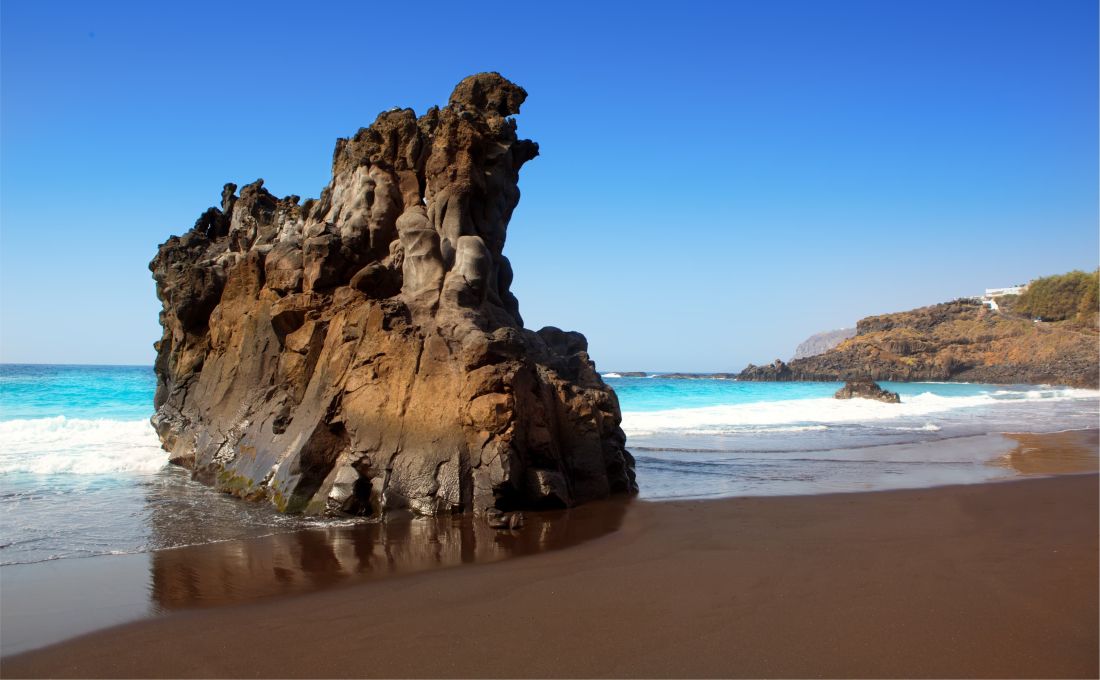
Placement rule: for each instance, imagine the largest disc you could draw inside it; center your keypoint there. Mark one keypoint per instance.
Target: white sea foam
(61, 445)
(610, 375)
(764, 415)
(927, 427)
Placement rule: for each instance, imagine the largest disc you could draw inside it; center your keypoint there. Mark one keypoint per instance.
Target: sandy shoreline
(992, 580)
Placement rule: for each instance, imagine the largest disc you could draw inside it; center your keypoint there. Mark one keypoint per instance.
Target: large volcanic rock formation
(362, 352)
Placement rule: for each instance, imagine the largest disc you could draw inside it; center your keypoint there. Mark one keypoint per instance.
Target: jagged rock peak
(362, 352)
(488, 93)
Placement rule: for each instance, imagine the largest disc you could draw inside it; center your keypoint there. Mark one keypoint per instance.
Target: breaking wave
(819, 413)
(61, 445)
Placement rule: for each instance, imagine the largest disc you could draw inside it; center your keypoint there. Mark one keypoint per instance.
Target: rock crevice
(362, 352)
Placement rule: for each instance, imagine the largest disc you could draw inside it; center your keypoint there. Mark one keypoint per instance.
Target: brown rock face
(362, 352)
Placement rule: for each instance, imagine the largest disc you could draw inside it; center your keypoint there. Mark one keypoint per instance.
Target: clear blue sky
(717, 180)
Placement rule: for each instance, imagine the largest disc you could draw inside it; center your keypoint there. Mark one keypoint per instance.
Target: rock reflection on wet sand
(48, 602)
(1059, 453)
(301, 561)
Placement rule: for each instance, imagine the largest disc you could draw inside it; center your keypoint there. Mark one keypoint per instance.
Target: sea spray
(800, 414)
(61, 445)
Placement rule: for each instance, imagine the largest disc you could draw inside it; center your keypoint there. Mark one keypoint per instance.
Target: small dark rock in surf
(864, 388)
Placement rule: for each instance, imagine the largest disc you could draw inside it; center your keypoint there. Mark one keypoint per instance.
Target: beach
(445, 370)
(778, 532)
(982, 580)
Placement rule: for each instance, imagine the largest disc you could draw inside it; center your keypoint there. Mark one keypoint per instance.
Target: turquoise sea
(82, 473)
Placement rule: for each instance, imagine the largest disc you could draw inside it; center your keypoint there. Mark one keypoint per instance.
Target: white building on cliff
(991, 295)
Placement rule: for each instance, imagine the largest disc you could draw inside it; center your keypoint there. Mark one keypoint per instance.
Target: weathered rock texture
(863, 388)
(362, 352)
(961, 340)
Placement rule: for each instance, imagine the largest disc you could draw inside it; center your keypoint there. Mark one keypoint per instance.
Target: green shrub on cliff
(1089, 309)
(1075, 295)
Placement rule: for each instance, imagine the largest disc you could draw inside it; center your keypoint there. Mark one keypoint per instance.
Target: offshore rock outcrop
(864, 388)
(362, 352)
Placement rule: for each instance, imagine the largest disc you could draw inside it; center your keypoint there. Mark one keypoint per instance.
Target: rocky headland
(961, 340)
(362, 352)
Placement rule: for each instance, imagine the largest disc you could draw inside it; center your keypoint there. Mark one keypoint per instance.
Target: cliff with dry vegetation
(958, 341)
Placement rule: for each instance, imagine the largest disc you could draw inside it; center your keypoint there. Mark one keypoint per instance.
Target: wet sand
(1058, 453)
(989, 580)
(45, 603)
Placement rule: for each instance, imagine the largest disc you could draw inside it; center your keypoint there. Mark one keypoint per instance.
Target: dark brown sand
(991, 580)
